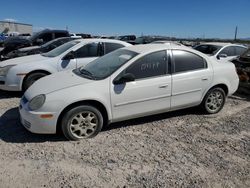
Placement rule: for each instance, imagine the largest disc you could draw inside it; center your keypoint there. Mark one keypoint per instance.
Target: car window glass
(208, 49)
(240, 50)
(88, 50)
(229, 51)
(187, 61)
(151, 65)
(46, 37)
(109, 47)
(59, 35)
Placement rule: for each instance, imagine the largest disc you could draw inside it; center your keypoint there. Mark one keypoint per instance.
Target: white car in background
(18, 74)
(221, 51)
(167, 42)
(128, 83)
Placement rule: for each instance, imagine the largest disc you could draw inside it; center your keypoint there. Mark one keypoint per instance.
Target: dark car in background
(38, 49)
(242, 64)
(40, 38)
(127, 38)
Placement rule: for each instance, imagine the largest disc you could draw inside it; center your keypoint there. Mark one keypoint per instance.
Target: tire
(32, 78)
(82, 122)
(214, 100)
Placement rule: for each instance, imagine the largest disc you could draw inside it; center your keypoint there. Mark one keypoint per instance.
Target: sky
(174, 18)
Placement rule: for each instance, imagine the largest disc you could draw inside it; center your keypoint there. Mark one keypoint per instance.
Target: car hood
(55, 82)
(28, 48)
(16, 40)
(25, 59)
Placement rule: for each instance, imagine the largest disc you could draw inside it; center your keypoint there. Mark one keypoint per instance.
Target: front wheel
(214, 101)
(32, 78)
(82, 122)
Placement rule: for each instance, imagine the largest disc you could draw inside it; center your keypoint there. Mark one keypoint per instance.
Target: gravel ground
(178, 149)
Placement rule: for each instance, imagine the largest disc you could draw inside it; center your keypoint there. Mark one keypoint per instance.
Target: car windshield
(59, 50)
(208, 49)
(49, 43)
(34, 36)
(139, 40)
(106, 65)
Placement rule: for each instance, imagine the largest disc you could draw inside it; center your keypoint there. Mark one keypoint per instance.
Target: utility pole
(236, 32)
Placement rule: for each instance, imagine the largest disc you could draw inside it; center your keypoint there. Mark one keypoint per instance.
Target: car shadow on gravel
(240, 96)
(10, 94)
(167, 115)
(153, 118)
(12, 131)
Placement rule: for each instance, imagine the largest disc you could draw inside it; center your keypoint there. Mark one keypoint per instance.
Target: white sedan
(18, 74)
(130, 82)
(221, 51)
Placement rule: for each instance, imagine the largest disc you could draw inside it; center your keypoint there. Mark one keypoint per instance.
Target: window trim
(167, 72)
(173, 62)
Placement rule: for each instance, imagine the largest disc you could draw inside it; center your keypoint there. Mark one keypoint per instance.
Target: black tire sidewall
(29, 80)
(65, 123)
(205, 99)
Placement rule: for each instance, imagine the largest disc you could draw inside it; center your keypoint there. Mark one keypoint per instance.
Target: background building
(14, 27)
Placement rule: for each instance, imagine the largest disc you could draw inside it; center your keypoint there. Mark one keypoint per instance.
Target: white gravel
(178, 149)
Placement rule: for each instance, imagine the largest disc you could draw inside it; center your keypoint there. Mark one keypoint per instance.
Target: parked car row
(19, 74)
(80, 85)
(14, 43)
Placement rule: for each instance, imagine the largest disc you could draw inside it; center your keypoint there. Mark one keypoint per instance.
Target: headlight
(37, 102)
(4, 70)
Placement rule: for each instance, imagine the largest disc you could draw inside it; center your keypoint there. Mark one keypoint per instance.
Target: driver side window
(150, 65)
(88, 50)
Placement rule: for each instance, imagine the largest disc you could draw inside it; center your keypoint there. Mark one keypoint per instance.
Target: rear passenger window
(151, 65)
(187, 61)
(88, 50)
(109, 47)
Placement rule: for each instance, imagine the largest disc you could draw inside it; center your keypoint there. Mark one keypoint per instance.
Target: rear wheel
(214, 100)
(82, 122)
(32, 78)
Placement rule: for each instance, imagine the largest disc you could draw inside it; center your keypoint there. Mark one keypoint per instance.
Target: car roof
(147, 48)
(222, 44)
(102, 40)
(217, 43)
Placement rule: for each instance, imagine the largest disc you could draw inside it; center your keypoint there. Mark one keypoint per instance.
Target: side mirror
(127, 77)
(69, 56)
(221, 56)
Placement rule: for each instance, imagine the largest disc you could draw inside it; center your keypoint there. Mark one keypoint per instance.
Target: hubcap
(83, 124)
(214, 101)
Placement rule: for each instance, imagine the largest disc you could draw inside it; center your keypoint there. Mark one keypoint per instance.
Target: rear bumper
(234, 87)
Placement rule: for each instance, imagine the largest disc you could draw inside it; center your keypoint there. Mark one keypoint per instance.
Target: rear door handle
(163, 86)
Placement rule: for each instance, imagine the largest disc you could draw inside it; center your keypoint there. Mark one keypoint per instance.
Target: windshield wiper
(87, 73)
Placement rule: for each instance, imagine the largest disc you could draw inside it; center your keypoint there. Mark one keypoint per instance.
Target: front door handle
(163, 86)
(204, 79)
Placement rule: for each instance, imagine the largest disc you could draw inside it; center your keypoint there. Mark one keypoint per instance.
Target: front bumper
(33, 122)
(5, 85)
